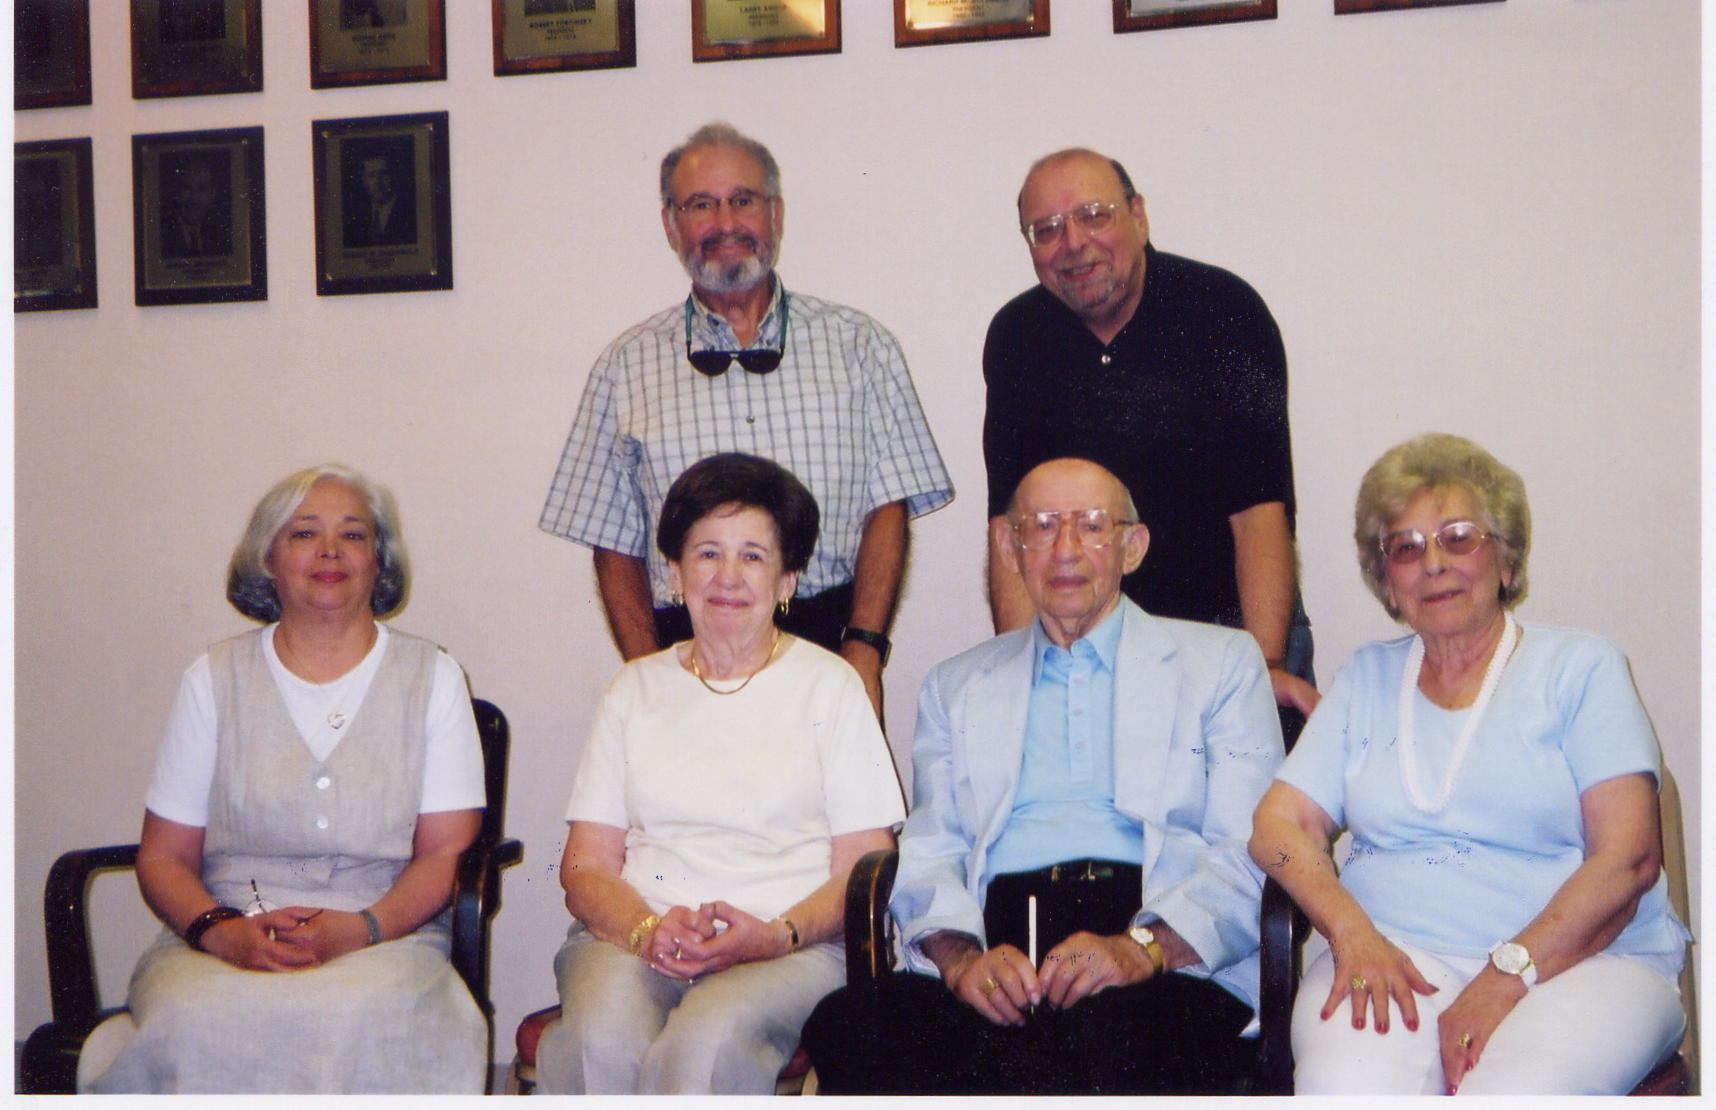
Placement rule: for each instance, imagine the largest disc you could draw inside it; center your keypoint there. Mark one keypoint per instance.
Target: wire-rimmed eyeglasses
(1457, 537)
(1091, 218)
(703, 206)
(756, 360)
(1092, 527)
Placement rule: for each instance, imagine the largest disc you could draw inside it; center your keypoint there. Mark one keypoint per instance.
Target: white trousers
(1595, 1029)
(627, 1029)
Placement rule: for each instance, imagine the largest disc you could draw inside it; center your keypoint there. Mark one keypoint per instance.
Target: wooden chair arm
(1281, 929)
(869, 948)
(65, 915)
(476, 900)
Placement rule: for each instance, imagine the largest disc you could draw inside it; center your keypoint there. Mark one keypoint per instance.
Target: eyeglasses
(1094, 217)
(704, 206)
(1458, 537)
(757, 360)
(1093, 527)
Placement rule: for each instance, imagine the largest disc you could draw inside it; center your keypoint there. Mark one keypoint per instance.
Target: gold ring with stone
(1465, 1040)
(1359, 983)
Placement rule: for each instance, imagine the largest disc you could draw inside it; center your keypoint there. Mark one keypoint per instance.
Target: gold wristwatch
(640, 933)
(1152, 947)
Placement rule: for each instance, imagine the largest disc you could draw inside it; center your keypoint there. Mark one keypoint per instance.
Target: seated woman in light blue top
(1503, 917)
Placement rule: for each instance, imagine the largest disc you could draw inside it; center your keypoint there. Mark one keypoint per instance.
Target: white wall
(1478, 219)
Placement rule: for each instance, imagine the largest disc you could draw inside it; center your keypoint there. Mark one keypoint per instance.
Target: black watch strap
(881, 643)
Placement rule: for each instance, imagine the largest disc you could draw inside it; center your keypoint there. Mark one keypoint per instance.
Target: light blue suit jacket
(1196, 742)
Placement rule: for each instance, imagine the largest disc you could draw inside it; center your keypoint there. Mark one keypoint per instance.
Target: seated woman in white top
(726, 789)
(318, 779)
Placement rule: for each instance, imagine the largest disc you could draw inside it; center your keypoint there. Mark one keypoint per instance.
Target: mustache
(717, 238)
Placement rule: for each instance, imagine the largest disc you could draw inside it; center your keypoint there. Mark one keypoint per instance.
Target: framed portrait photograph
(384, 219)
(1155, 15)
(195, 47)
(377, 42)
(53, 226)
(722, 30)
(198, 223)
(50, 53)
(550, 36)
(923, 22)
(1349, 7)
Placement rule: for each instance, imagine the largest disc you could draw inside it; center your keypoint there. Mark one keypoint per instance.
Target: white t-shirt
(453, 760)
(736, 797)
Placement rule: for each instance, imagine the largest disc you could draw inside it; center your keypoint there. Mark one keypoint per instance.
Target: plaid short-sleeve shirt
(840, 413)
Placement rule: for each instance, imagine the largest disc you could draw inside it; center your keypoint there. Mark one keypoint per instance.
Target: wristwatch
(1152, 947)
(1512, 959)
(876, 640)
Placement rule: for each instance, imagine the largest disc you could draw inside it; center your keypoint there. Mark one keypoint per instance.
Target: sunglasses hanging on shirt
(758, 360)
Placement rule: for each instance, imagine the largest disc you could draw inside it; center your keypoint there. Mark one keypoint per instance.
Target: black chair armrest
(1281, 929)
(869, 947)
(65, 914)
(476, 900)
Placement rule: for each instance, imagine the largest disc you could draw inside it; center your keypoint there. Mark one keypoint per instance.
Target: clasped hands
(1001, 984)
(289, 939)
(687, 943)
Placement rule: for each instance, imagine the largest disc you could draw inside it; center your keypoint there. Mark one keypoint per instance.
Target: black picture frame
(553, 36)
(50, 54)
(199, 220)
(53, 225)
(195, 47)
(384, 221)
(1163, 14)
(377, 42)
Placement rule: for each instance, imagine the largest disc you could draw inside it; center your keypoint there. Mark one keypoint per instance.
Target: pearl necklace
(776, 646)
(1406, 752)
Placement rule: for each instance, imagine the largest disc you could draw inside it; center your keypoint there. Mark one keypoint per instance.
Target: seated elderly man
(1074, 868)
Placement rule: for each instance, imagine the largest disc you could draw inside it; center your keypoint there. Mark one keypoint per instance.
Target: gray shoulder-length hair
(250, 586)
(1436, 460)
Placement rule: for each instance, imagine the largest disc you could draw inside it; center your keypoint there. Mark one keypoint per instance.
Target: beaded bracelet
(207, 920)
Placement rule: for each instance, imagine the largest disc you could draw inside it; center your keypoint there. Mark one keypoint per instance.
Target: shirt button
(324, 782)
(1107, 358)
(321, 822)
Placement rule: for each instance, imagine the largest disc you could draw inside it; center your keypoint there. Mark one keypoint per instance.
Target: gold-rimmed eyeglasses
(1092, 527)
(1457, 537)
(1097, 216)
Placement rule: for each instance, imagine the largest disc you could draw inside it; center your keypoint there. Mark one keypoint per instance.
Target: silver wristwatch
(1512, 959)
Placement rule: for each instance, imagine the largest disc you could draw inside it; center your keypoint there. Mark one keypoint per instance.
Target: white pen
(1031, 926)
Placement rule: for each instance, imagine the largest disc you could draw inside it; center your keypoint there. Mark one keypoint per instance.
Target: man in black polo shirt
(1169, 373)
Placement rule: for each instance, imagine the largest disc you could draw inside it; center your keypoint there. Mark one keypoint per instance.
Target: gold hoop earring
(785, 605)
(677, 599)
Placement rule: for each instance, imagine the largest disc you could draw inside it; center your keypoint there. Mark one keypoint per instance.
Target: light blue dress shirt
(1064, 806)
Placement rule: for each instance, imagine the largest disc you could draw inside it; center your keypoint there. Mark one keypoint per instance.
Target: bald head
(1086, 229)
(1074, 579)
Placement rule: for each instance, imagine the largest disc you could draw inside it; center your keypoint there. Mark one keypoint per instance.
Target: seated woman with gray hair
(318, 779)
(727, 787)
(1502, 917)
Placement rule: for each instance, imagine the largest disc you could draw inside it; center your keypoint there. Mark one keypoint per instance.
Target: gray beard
(738, 277)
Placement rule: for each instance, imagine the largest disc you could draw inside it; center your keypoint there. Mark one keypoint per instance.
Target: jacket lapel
(1146, 694)
(997, 706)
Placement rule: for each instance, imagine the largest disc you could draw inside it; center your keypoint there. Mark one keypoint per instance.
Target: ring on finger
(1359, 983)
(988, 986)
(1465, 1040)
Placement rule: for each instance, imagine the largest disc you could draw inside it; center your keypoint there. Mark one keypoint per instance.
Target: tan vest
(334, 832)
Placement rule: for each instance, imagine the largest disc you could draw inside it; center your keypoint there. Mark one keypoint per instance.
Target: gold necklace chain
(776, 646)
